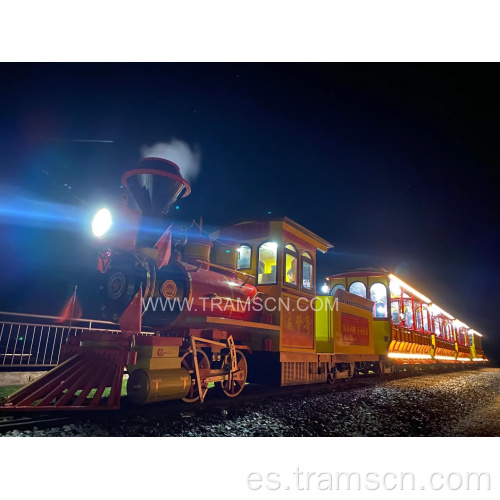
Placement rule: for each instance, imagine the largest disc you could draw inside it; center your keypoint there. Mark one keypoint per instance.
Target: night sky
(394, 164)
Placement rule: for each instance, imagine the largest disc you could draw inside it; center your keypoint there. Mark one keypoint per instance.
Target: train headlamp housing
(101, 222)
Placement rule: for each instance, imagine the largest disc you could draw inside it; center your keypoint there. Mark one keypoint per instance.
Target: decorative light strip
(458, 323)
(408, 355)
(475, 333)
(450, 358)
(436, 310)
(479, 359)
(409, 288)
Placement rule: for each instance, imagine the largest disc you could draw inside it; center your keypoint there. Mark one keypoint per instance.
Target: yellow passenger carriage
(409, 328)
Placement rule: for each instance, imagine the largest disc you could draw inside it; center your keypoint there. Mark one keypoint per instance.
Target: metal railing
(34, 341)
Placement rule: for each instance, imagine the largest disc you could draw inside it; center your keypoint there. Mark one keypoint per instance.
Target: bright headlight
(101, 222)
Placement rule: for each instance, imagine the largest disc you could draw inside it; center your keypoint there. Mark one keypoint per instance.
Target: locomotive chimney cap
(155, 185)
(158, 166)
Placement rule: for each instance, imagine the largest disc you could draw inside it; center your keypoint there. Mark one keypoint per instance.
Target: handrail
(73, 320)
(5, 313)
(38, 343)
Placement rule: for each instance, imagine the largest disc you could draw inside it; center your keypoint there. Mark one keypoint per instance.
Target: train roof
(321, 244)
(373, 272)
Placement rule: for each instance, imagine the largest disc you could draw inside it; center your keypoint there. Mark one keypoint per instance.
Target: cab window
(358, 288)
(244, 257)
(268, 260)
(378, 293)
(291, 261)
(307, 272)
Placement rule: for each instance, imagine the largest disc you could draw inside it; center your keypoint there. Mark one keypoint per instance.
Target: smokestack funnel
(155, 185)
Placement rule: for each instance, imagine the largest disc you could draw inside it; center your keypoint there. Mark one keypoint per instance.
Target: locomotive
(234, 306)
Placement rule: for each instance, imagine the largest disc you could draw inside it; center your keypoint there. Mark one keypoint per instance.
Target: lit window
(244, 257)
(418, 318)
(408, 315)
(395, 289)
(268, 259)
(291, 260)
(337, 287)
(437, 326)
(449, 332)
(358, 288)
(395, 311)
(426, 322)
(378, 293)
(307, 272)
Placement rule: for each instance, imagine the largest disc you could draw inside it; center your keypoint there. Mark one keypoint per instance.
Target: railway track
(24, 422)
(215, 402)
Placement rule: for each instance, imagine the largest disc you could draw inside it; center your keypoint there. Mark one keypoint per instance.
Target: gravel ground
(444, 404)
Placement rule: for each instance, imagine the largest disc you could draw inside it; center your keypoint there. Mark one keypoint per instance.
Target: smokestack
(155, 185)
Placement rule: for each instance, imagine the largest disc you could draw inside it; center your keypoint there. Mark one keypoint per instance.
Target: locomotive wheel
(239, 378)
(187, 362)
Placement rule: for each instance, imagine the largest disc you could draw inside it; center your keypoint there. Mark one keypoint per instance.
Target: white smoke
(188, 159)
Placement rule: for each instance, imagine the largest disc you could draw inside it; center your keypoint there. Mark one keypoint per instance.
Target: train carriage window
(395, 306)
(449, 332)
(418, 317)
(337, 287)
(307, 272)
(244, 257)
(378, 293)
(268, 260)
(358, 288)
(425, 318)
(408, 315)
(437, 325)
(291, 261)
(395, 289)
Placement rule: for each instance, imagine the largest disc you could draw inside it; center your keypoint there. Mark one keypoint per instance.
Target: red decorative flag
(131, 319)
(164, 246)
(71, 310)
(103, 261)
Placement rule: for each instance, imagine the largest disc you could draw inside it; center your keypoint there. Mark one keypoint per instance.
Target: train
(231, 307)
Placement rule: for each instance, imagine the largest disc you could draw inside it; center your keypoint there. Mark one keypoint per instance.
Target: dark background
(394, 164)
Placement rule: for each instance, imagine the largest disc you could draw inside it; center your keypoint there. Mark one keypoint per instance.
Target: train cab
(279, 258)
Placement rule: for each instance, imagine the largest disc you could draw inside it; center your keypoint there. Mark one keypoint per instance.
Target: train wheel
(381, 369)
(332, 375)
(363, 368)
(233, 389)
(350, 372)
(187, 362)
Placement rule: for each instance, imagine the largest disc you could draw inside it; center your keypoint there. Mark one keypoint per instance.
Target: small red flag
(103, 262)
(131, 319)
(71, 310)
(164, 246)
